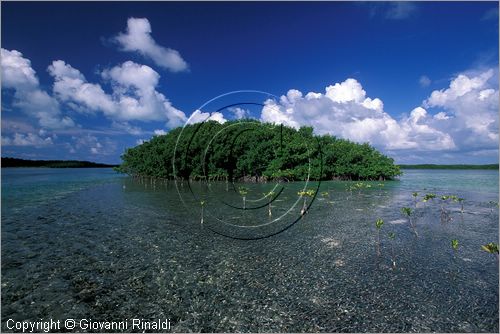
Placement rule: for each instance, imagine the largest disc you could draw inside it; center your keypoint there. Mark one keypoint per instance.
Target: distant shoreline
(15, 162)
(23, 163)
(459, 166)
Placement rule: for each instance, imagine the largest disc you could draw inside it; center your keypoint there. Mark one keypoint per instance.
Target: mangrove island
(254, 151)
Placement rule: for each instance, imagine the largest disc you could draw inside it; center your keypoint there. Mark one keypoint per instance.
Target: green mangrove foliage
(491, 248)
(251, 150)
(415, 195)
(359, 186)
(428, 197)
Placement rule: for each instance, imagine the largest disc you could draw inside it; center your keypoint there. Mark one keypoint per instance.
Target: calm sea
(90, 243)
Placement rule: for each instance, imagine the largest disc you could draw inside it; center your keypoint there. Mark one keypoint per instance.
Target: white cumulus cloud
(459, 86)
(239, 113)
(134, 88)
(134, 95)
(29, 139)
(469, 120)
(198, 116)
(137, 38)
(159, 132)
(344, 110)
(71, 85)
(460, 118)
(471, 106)
(419, 130)
(18, 74)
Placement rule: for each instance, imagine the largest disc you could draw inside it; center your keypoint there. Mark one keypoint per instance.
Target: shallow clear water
(93, 244)
(29, 187)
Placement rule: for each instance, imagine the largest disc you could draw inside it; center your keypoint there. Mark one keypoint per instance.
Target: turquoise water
(479, 182)
(29, 187)
(90, 243)
(22, 187)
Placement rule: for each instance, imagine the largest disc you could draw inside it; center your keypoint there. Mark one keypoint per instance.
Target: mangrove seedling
(428, 197)
(461, 201)
(305, 194)
(202, 203)
(380, 186)
(392, 236)
(243, 192)
(454, 198)
(378, 225)
(491, 248)
(445, 216)
(415, 195)
(407, 212)
(326, 195)
(349, 189)
(454, 246)
(269, 194)
(361, 185)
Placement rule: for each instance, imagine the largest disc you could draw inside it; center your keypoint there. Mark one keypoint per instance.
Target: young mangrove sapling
(392, 236)
(243, 192)
(378, 225)
(461, 201)
(415, 195)
(305, 194)
(491, 248)
(407, 212)
(270, 195)
(202, 203)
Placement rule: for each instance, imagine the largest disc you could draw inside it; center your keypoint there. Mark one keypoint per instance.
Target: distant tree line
(254, 151)
(432, 166)
(14, 162)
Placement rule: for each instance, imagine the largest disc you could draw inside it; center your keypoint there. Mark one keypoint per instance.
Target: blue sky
(418, 80)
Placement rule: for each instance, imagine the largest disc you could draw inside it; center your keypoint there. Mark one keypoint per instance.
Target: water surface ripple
(107, 247)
